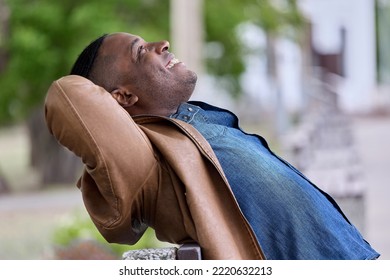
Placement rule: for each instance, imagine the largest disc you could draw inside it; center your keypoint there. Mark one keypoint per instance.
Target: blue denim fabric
(290, 216)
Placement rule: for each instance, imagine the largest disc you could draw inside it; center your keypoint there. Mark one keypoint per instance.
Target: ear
(124, 97)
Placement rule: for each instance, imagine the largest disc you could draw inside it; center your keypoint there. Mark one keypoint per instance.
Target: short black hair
(85, 60)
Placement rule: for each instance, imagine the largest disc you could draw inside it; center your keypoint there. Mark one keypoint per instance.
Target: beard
(180, 92)
(166, 91)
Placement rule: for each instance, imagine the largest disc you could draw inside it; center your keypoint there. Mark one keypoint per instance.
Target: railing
(322, 147)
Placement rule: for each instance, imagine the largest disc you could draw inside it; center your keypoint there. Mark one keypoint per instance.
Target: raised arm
(118, 157)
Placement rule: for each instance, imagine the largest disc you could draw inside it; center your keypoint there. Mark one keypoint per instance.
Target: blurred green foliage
(221, 21)
(78, 227)
(45, 37)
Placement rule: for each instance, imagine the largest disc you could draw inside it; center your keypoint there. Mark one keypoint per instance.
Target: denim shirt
(291, 217)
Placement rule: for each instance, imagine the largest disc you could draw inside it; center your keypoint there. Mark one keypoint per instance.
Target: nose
(162, 46)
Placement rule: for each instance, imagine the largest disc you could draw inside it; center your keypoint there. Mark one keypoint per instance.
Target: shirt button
(185, 118)
(190, 109)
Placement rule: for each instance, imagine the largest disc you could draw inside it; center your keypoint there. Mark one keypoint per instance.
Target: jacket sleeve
(117, 155)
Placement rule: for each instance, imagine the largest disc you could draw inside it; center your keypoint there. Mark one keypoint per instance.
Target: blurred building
(345, 43)
(349, 49)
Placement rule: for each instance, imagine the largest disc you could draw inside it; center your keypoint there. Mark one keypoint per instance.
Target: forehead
(119, 43)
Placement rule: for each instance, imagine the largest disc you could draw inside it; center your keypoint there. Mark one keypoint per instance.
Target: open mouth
(172, 63)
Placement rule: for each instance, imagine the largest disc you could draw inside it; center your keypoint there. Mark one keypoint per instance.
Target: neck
(163, 112)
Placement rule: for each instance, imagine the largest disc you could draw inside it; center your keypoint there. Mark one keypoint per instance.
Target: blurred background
(311, 76)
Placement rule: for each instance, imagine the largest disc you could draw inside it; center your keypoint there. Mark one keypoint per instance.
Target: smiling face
(145, 78)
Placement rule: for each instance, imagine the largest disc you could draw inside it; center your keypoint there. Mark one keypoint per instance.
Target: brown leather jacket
(147, 171)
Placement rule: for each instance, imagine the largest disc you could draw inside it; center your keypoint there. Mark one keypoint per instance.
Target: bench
(190, 251)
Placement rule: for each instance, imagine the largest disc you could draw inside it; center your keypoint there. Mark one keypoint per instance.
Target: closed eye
(141, 50)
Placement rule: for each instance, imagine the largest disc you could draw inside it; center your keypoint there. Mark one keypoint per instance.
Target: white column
(187, 32)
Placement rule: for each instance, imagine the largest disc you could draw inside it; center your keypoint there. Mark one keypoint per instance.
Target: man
(289, 216)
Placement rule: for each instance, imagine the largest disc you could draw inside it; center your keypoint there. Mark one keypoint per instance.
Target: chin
(194, 76)
(192, 79)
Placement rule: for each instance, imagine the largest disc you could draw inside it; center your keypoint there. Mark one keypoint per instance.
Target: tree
(4, 17)
(222, 19)
(48, 35)
(278, 18)
(4, 188)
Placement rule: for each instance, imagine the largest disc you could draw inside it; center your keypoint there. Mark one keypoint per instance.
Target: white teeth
(172, 63)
